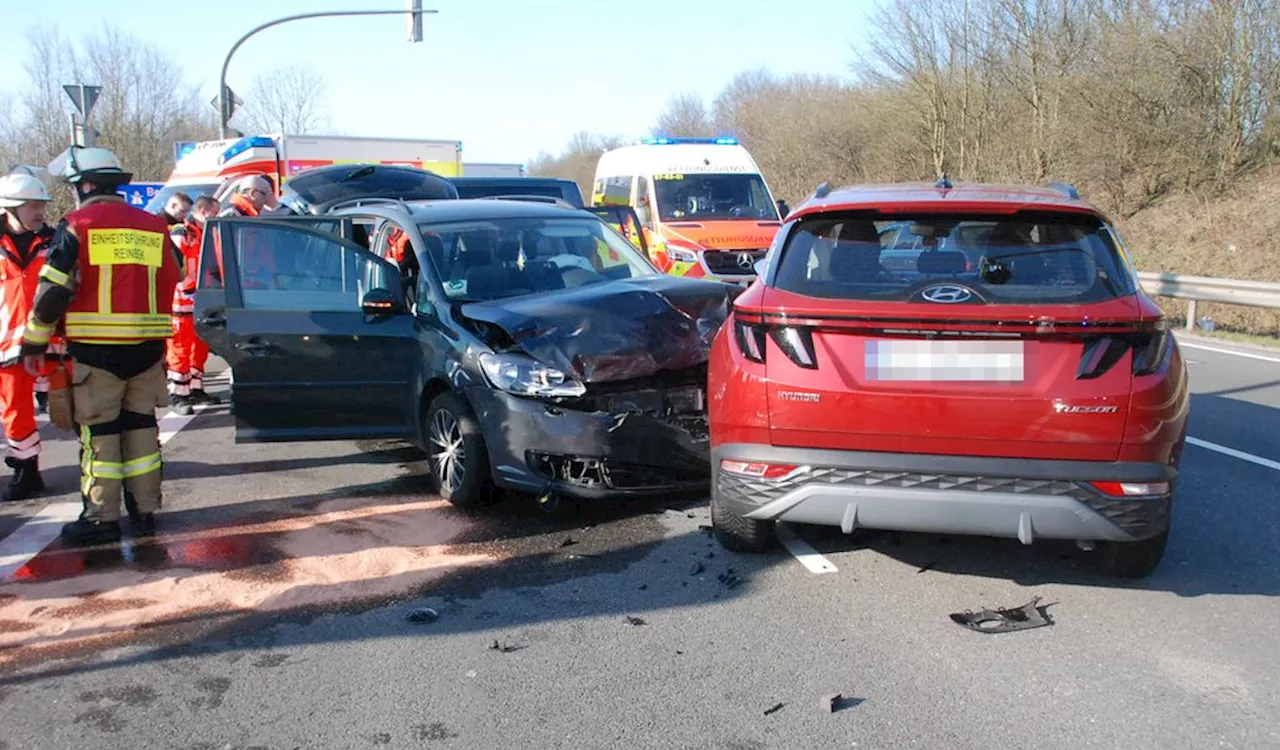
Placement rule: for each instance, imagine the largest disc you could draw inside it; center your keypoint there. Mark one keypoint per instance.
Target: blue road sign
(139, 193)
(181, 149)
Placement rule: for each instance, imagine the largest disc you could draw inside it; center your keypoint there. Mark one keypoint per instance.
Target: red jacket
(19, 275)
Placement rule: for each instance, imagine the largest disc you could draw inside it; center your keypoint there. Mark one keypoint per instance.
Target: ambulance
(201, 168)
(703, 205)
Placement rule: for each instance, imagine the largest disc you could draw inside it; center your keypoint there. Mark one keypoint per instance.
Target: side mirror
(379, 303)
(760, 267)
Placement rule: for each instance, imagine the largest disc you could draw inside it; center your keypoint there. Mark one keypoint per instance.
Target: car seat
(855, 259)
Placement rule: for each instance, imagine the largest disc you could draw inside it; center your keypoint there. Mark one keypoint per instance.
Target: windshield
(1050, 258)
(156, 204)
(317, 186)
(712, 197)
(496, 258)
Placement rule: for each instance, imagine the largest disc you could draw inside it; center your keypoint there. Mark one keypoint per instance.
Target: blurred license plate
(934, 361)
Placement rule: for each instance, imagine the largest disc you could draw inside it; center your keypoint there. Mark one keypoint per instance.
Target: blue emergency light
(244, 144)
(721, 141)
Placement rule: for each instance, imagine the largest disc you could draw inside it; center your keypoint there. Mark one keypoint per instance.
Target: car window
(284, 268)
(491, 259)
(316, 186)
(1025, 259)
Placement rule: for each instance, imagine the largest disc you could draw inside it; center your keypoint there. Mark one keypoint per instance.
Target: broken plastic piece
(730, 578)
(635, 621)
(1029, 615)
(832, 702)
(568, 542)
(776, 708)
(697, 568)
(504, 647)
(422, 615)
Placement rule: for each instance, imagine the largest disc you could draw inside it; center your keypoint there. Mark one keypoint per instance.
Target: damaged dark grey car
(521, 345)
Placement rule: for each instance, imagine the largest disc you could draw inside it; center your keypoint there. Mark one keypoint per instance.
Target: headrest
(938, 262)
(858, 230)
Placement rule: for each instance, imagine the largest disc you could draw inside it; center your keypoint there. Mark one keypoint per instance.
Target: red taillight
(1131, 489)
(750, 339)
(758, 469)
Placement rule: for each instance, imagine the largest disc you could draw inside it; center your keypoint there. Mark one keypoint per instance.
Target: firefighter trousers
(119, 439)
(186, 356)
(17, 389)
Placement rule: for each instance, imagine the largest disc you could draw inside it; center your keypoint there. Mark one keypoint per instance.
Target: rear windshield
(316, 186)
(517, 187)
(1020, 259)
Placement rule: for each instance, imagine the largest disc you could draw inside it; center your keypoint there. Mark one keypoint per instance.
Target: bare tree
(577, 162)
(288, 99)
(686, 116)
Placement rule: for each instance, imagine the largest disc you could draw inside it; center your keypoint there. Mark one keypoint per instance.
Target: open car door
(315, 329)
(624, 221)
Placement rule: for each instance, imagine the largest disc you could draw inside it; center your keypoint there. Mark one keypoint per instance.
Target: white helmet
(95, 164)
(16, 189)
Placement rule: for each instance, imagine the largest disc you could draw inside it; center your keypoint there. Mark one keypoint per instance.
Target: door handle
(256, 345)
(213, 321)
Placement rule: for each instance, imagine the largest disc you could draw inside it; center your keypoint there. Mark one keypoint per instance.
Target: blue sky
(507, 78)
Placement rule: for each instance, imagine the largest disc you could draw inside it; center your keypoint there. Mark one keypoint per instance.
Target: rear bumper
(998, 497)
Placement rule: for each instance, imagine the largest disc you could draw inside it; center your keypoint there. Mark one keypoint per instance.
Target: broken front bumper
(540, 447)
(998, 497)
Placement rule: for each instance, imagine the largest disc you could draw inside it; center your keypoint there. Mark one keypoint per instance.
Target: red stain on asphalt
(345, 551)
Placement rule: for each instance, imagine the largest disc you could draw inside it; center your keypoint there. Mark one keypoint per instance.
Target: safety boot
(26, 482)
(87, 531)
(181, 405)
(201, 396)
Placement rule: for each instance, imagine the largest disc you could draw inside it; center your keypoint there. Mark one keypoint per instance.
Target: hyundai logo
(947, 294)
(745, 262)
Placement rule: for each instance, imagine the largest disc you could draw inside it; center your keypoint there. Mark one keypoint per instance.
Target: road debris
(697, 569)
(1029, 615)
(635, 620)
(776, 708)
(705, 529)
(730, 578)
(568, 542)
(643, 587)
(504, 648)
(928, 566)
(422, 616)
(832, 702)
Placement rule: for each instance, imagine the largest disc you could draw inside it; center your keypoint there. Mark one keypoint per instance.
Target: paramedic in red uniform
(109, 278)
(187, 353)
(24, 243)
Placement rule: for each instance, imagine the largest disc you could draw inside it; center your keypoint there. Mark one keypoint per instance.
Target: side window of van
(642, 202)
(617, 191)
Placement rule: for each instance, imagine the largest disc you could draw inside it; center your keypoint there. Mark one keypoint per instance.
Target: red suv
(970, 359)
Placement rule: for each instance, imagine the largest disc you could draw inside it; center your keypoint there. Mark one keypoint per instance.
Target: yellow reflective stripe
(104, 289)
(84, 333)
(56, 277)
(139, 466)
(151, 288)
(112, 318)
(37, 332)
(107, 469)
(86, 461)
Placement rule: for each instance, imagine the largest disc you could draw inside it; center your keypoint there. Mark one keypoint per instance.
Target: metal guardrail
(1206, 289)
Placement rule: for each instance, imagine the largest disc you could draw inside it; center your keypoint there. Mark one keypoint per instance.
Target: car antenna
(943, 183)
(823, 190)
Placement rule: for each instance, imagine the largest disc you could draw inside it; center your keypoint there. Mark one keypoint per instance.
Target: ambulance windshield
(713, 197)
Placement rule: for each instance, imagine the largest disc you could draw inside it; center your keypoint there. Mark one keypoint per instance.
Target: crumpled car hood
(618, 330)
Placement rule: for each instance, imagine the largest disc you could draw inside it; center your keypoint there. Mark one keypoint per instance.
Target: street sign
(83, 97)
(233, 102)
(181, 149)
(138, 194)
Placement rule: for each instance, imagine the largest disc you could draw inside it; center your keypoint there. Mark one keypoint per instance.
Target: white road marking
(1224, 450)
(800, 549)
(30, 538)
(1220, 350)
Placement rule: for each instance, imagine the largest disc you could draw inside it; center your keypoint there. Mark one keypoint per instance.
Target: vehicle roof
(480, 209)
(675, 158)
(962, 197)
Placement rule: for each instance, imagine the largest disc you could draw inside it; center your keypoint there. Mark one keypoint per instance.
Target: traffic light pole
(224, 116)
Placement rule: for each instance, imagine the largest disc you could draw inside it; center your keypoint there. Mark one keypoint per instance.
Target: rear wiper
(996, 271)
(360, 173)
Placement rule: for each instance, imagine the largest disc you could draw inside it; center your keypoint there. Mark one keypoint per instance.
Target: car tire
(463, 478)
(737, 533)
(1133, 559)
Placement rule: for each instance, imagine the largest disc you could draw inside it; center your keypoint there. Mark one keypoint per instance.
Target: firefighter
(249, 197)
(107, 278)
(24, 243)
(176, 210)
(187, 354)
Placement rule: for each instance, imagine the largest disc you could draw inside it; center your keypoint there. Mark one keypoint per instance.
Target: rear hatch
(985, 335)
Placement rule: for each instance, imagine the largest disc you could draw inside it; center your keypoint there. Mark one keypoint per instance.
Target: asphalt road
(274, 616)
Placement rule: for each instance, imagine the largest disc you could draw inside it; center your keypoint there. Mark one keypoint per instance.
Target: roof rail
(1066, 189)
(823, 190)
(528, 198)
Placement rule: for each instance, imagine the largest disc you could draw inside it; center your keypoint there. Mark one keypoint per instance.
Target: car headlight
(525, 376)
(681, 255)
